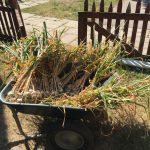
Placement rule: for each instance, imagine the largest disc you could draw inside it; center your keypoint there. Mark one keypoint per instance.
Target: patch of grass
(63, 8)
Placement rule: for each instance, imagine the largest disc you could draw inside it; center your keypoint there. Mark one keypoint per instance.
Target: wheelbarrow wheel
(73, 136)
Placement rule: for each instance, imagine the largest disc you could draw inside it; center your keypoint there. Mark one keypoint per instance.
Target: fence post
(82, 28)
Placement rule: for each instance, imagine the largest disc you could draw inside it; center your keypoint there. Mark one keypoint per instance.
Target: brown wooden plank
(126, 26)
(16, 23)
(4, 8)
(93, 22)
(1, 2)
(135, 24)
(82, 28)
(101, 9)
(131, 50)
(110, 9)
(148, 52)
(101, 6)
(107, 15)
(0, 30)
(144, 29)
(119, 10)
(94, 7)
(86, 4)
(109, 21)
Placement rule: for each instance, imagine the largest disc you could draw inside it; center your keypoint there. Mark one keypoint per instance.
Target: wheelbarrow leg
(15, 116)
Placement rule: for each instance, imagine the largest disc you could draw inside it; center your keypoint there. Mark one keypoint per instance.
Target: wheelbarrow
(74, 135)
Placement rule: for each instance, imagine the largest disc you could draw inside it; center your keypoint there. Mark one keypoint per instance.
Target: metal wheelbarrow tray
(59, 111)
(72, 116)
(43, 109)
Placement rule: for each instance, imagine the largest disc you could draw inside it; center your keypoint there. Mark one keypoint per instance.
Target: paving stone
(69, 38)
(145, 51)
(32, 22)
(29, 28)
(74, 43)
(72, 31)
(52, 24)
(61, 30)
(72, 24)
(138, 38)
(27, 15)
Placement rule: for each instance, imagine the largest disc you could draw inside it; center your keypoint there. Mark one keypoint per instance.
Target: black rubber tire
(77, 127)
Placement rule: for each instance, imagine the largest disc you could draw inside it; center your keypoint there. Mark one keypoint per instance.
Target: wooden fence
(11, 22)
(110, 24)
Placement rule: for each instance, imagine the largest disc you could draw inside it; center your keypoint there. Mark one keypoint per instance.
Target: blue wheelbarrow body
(74, 113)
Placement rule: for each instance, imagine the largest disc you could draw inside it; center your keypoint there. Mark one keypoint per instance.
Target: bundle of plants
(124, 86)
(45, 68)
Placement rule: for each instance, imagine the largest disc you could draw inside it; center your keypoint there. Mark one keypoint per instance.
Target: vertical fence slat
(119, 10)
(135, 23)
(101, 9)
(0, 30)
(86, 4)
(126, 26)
(148, 52)
(101, 6)
(144, 28)
(16, 23)
(93, 22)
(82, 29)
(109, 21)
(1, 2)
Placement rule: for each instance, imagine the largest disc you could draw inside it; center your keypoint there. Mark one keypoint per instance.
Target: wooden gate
(135, 27)
(11, 22)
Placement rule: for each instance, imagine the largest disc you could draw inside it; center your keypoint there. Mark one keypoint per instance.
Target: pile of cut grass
(47, 71)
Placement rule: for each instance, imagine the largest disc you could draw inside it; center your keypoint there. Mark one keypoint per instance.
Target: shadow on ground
(10, 138)
(3, 129)
(129, 137)
(123, 137)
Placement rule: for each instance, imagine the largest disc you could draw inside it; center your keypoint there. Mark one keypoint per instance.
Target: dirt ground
(124, 137)
(10, 138)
